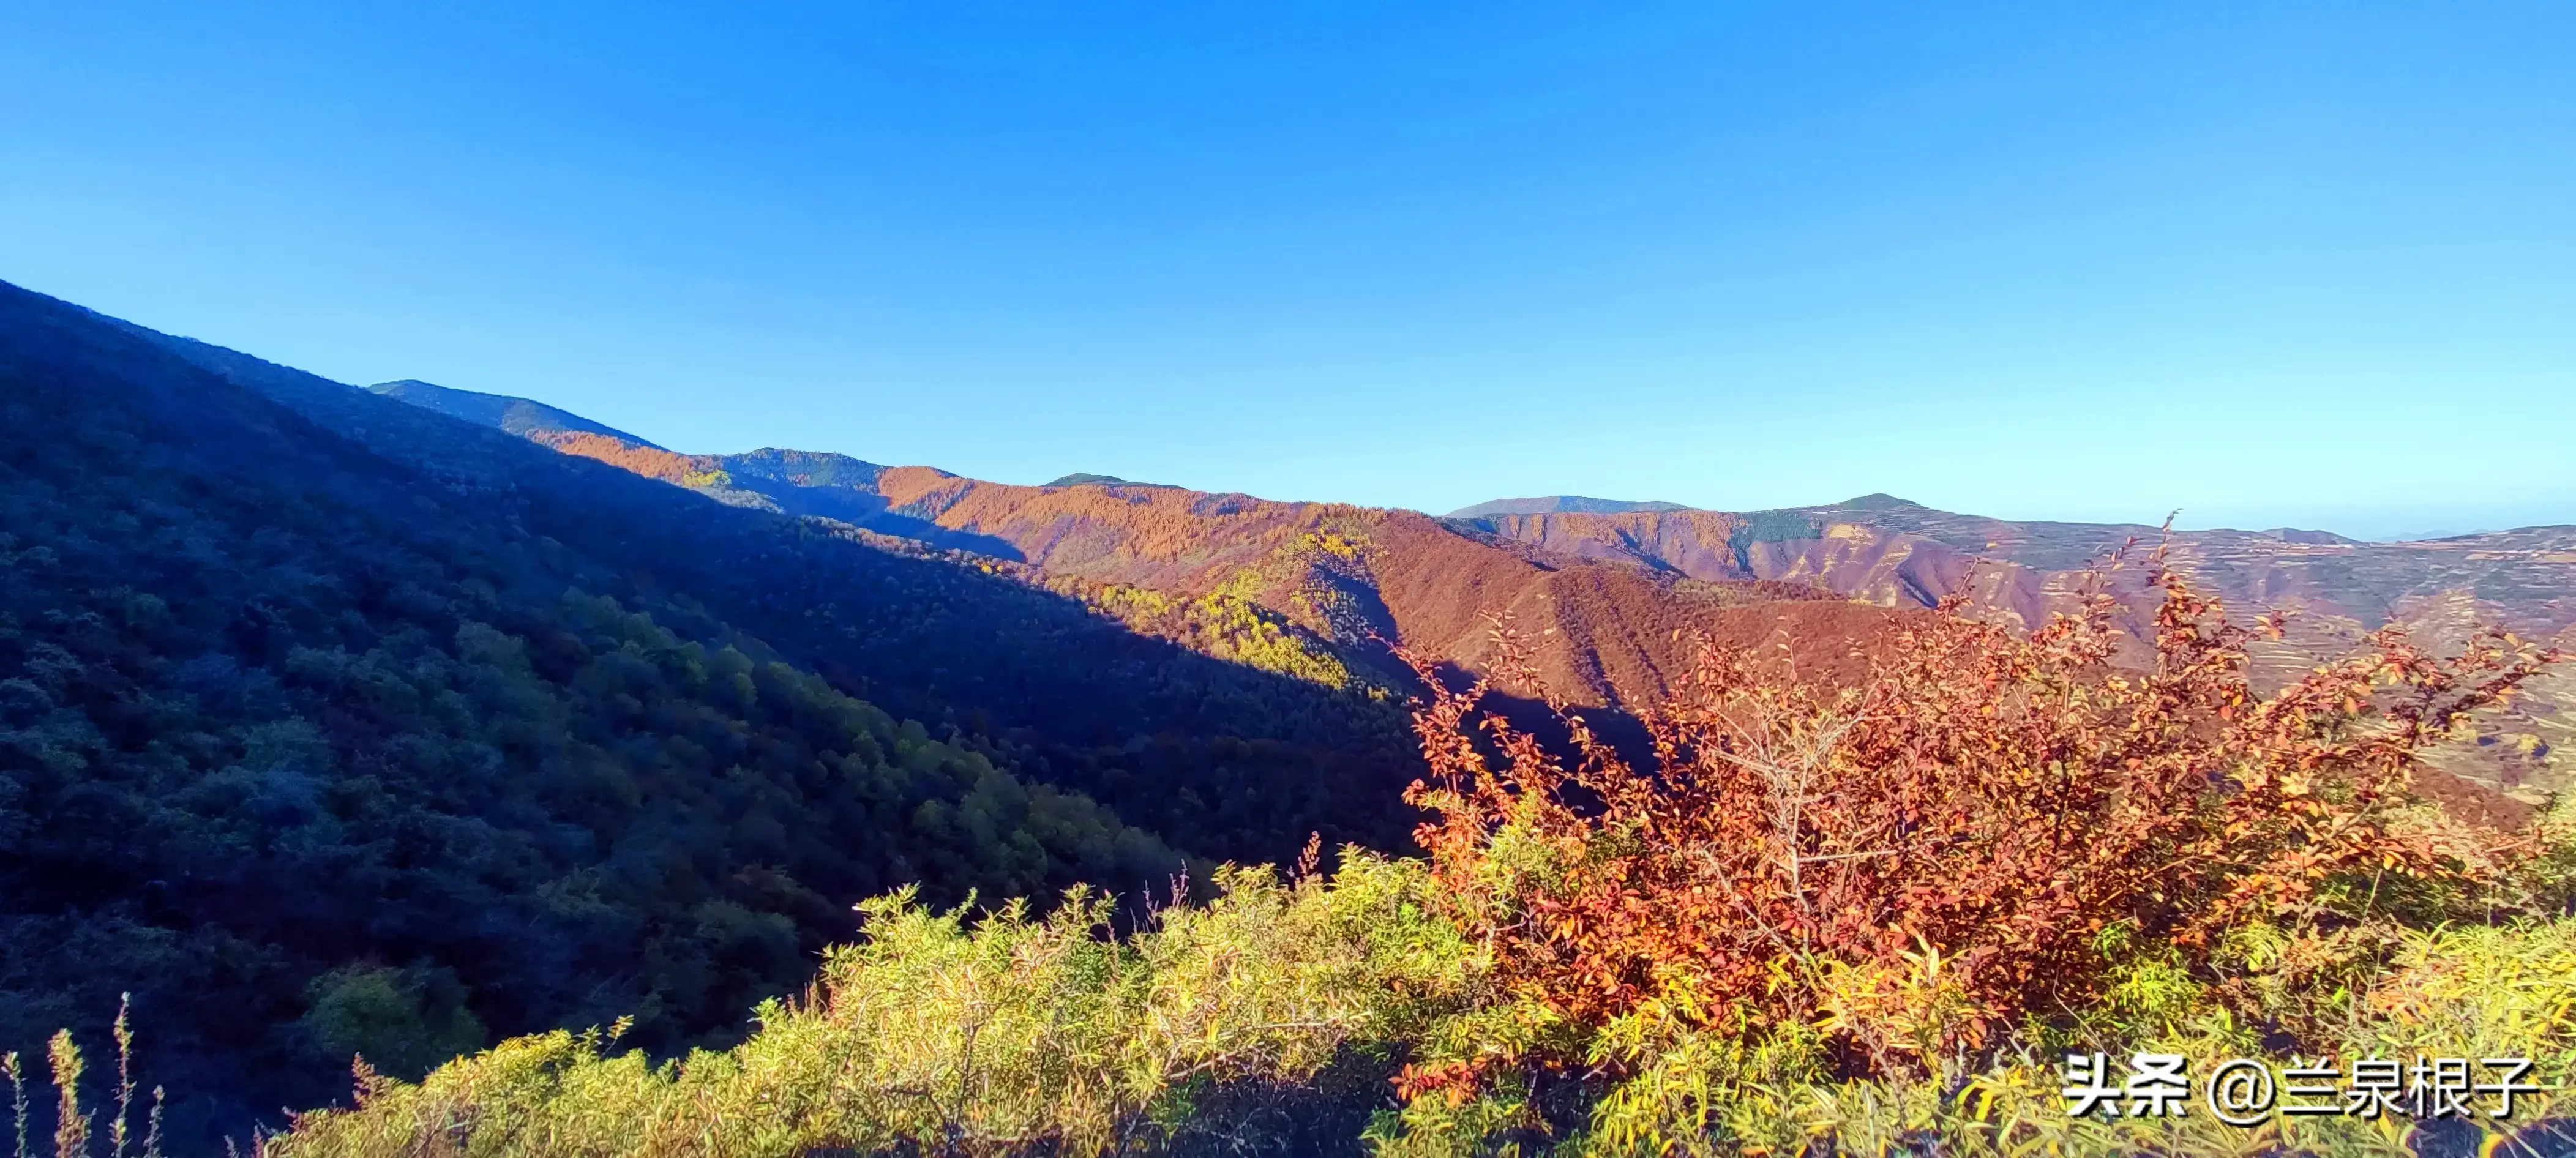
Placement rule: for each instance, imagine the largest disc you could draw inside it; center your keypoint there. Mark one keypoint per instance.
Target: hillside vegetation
(330, 725)
(1595, 579)
(1603, 585)
(1872, 920)
(1245, 762)
(1310, 590)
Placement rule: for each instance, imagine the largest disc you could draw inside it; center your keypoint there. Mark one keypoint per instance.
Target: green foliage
(1771, 527)
(1002, 1033)
(1321, 582)
(313, 756)
(401, 1021)
(1486, 994)
(1013, 1034)
(1230, 625)
(2553, 872)
(2469, 992)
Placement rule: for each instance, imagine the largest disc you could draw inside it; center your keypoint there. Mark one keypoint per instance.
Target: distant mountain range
(1329, 585)
(1602, 585)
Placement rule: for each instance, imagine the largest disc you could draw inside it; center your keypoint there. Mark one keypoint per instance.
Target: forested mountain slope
(340, 726)
(1610, 592)
(1889, 549)
(1245, 763)
(1313, 589)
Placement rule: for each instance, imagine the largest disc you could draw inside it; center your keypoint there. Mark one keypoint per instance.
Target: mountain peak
(2313, 538)
(1085, 478)
(1880, 501)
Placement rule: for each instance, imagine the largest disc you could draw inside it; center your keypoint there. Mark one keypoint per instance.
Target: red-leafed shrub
(1984, 832)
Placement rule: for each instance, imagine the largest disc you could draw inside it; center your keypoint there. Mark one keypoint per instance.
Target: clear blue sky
(2307, 264)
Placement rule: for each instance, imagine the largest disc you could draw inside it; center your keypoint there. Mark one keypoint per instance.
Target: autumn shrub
(1993, 843)
(2461, 991)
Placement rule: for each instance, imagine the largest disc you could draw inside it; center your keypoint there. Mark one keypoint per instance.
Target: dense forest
(331, 726)
(1146, 726)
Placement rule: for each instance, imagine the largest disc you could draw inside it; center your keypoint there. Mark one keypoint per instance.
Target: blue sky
(2305, 264)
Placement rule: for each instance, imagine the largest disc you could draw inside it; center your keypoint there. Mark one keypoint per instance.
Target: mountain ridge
(507, 413)
(1641, 563)
(1332, 583)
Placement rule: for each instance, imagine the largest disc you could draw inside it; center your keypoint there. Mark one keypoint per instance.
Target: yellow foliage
(1003, 1034)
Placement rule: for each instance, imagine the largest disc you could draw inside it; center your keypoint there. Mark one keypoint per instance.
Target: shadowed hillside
(332, 725)
(1151, 728)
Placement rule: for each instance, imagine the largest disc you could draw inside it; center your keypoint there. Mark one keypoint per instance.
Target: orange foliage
(1155, 527)
(651, 462)
(1918, 861)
